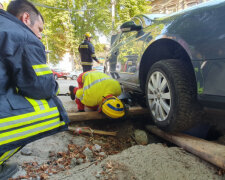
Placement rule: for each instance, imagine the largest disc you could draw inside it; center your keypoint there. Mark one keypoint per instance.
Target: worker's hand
(98, 62)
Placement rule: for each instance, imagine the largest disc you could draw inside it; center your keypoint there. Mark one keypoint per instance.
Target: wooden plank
(94, 115)
(209, 151)
(87, 130)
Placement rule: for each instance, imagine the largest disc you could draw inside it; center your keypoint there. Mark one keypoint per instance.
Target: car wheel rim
(159, 96)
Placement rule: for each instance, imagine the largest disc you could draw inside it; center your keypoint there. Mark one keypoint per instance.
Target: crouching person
(29, 108)
(97, 90)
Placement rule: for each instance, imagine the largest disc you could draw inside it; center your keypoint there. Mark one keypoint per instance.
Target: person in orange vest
(97, 90)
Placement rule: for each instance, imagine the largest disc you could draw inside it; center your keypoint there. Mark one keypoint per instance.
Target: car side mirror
(130, 26)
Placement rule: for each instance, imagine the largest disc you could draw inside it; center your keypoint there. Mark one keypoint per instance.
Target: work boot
(72, 95)
(7, 171)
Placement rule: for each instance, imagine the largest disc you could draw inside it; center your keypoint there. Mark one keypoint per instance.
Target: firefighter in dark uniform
(29, 107)
(87, 53)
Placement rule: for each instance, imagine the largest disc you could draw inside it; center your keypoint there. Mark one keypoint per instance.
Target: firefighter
(97, 90)
(29, 107)
(87, 53)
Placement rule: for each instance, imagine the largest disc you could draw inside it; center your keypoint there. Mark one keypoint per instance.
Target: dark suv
(174, 63)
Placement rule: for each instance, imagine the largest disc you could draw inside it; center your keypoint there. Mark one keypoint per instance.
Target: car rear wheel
(171, 95)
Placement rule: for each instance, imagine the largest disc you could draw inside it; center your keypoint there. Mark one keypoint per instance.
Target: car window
(125, 36)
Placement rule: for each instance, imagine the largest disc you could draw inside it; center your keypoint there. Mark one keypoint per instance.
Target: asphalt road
(68, 104)
(65, 83)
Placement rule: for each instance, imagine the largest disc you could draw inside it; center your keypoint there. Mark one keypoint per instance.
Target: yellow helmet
(113, 107)
(87, 34)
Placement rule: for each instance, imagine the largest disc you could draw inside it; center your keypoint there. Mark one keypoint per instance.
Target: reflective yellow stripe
(93, 55)
(43, 73)
(8, 154)
(41, 69)
(86, 63)
(40, 66)
(83, 46)
(86, 73)
(14, 124)
(95, 82)
(55, 123)
(57, 91)
(34, 104)
(45, 103)
(13, 118)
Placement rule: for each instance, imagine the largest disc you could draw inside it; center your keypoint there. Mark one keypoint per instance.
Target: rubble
(26, 151)
(141, 137)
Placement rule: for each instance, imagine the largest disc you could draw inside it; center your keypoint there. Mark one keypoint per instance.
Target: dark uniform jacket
(29, 108)
(87, 53)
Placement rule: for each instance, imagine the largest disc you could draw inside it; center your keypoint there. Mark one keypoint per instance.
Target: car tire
(171, 96)
(74, 77)
(56, 77)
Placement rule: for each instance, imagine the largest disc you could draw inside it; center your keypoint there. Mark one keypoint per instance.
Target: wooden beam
(209, 151)
(94, 115)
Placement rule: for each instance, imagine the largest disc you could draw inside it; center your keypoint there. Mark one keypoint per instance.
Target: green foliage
(66, 22)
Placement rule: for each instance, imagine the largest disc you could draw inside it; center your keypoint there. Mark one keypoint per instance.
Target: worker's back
(97, 85)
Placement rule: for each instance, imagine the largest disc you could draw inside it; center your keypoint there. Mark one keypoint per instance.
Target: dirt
(72, 156)
(154, 161)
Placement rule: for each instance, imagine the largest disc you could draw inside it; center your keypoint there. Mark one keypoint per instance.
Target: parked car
(74, 74)
(57, 73)
(174, 64)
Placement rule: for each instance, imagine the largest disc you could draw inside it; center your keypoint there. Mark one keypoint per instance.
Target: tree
(66, 22)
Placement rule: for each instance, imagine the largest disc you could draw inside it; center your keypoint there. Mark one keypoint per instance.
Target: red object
(59, 74)
(80, 105)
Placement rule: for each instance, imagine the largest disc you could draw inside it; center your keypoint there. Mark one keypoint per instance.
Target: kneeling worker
(29, 107)
(97, 90)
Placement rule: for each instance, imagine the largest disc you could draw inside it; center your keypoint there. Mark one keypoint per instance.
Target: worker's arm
(31, 75)
(92, 51)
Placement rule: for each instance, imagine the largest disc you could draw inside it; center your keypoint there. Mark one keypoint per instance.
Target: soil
(86, 156)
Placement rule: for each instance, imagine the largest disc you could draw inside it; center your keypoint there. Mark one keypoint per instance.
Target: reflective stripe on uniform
(38, 104)
(95, 82)
(45, 103)
(34, 104)
(21, 120)
(93, 55)
(86, 73)
(42, 69)
(87, 63)
(83, 46)
(8, 154)
(29, 131)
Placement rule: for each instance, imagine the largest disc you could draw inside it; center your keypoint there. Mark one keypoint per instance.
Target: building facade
(170, 6)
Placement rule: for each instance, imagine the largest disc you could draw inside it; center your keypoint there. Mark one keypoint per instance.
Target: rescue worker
(97, 90)
(29, 108)
(87, 53)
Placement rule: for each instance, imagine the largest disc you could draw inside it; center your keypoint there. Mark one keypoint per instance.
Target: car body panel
(199, 30)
